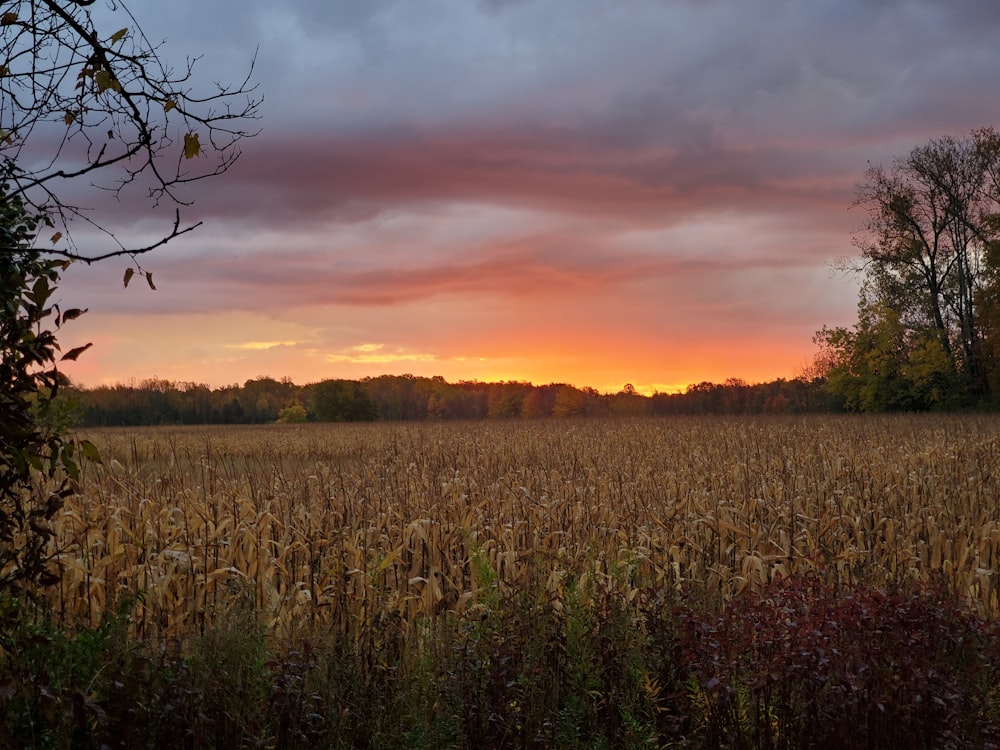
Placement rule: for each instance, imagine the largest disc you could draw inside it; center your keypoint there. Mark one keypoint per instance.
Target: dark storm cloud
(632, 107)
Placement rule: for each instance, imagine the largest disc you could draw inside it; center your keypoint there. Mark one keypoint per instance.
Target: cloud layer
(585, 191)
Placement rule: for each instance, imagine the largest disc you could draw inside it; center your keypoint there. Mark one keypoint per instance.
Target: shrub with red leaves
(802, 665)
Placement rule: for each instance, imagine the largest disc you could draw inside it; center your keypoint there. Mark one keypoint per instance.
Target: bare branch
(83, 107)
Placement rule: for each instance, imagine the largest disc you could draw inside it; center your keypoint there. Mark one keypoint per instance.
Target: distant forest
(412, 398)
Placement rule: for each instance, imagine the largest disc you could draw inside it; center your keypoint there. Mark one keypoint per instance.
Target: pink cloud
(316, 178)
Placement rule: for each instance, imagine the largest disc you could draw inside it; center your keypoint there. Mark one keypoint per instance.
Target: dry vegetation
(329, 525)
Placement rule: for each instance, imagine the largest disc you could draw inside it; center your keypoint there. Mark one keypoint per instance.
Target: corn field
(337, 524)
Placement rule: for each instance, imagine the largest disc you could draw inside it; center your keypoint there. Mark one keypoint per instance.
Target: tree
(81, 107)
(928, 318)
(292, 414)
(343, 401)
(881, 365)
(504, 399)
(538, 402)
(925, 251)
(568, 401)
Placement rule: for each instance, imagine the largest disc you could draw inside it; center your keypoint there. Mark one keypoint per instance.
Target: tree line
(412, 398)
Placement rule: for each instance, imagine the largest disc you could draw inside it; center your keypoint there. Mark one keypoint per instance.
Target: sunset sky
(584, 191)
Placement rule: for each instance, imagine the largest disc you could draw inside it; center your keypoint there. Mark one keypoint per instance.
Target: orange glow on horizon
(648, 374)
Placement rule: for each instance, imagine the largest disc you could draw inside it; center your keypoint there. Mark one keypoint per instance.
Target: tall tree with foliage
(85, 110)
(928, 263)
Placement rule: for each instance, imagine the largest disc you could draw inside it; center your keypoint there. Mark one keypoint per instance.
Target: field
(349, 521)
(775, 582)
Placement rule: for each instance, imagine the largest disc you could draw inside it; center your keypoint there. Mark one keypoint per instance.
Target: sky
(595, 192)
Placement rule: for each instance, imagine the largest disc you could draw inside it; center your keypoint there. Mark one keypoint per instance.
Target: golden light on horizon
(261, 345)
(222, 350)
(376, 354)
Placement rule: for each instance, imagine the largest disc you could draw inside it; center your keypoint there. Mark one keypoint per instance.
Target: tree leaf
(105, 80)
(129, 273)
(70, 467)
(40, 291)
(56, 237)
(73, 314)
(191, 145)
(89, 451)
(69, 117)
(149, 280)
(8, 18)
(119, 35)
(72, 354)
(169, 104)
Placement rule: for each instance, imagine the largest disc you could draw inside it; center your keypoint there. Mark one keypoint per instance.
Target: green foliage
(293, 414)
(66, 689)
(343, 401)
(33, 442)
(226, 667)
(505, 399)
(881, 365)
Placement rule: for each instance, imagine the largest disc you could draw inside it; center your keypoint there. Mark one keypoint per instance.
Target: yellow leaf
(118, 35)
(105, 80)
(191, 145)
(56, 237)
(169, 104)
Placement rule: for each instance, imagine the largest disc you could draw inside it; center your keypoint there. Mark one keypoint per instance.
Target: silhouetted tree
(926, 258)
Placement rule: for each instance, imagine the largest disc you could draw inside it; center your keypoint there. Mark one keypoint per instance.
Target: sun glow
(376, 354)
(258, 346)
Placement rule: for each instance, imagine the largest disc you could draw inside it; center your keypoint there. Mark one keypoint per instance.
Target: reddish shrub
(802, 665)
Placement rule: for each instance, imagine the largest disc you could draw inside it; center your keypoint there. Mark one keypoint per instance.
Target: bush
(796, 665)
(801, 665)
(33, 427)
